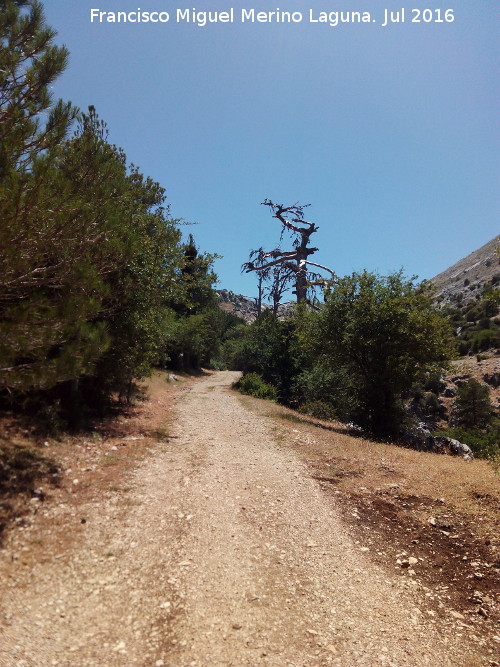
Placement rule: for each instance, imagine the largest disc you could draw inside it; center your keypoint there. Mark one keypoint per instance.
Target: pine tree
(196, 279)
(29, 64)
(473, 407)
(194, 338)
(91, 263)
(31, 130)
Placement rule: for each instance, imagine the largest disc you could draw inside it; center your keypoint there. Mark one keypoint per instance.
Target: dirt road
(221, 551)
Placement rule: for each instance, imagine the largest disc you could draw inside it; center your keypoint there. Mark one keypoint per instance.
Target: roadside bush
(325, 392)
(266, 347)
(217, 365)
(319, 409)
(378, 335)
(253, 385)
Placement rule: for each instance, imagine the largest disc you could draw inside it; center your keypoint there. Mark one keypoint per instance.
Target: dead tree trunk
(281, 277)
(257, 259)
(259, 294)
(297, 260)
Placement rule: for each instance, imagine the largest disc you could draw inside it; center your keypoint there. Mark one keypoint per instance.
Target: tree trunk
(276, 303)
(259, 298)
(301, 282)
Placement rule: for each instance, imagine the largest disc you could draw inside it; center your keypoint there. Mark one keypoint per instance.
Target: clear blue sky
(390, 133)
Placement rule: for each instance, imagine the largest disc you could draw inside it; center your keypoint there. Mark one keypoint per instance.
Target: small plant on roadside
(253, 385)
(494, 461)
(108, 460)
(218, 365)
(160, 434)
(51, 420)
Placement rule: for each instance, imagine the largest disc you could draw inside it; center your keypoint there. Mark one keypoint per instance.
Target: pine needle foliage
(96, 286)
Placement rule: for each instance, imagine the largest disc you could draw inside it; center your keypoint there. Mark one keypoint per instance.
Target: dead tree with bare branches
(257, 259)
(295, 261)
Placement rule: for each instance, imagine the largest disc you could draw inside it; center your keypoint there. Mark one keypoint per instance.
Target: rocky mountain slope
(246, 307)
(468, 276)
(237, 304)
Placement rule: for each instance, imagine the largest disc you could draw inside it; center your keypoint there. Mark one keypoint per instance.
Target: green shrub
(430, 406)
(319, 409)
(434, 383)
(266, 347)
(485, 339)
(378, 335)
(218, 365)
(484, 323)
(417, 391)
(253, 385)
(484, 444)
(325, 393)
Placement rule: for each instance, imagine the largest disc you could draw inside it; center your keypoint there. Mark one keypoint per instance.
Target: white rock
(456, 614)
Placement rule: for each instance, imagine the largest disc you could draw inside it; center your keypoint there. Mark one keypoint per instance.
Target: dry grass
(378, 465)
(438, 508)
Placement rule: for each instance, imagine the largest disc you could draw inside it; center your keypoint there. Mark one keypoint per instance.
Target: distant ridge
(246, 307)
(468, 276)
(237, 304)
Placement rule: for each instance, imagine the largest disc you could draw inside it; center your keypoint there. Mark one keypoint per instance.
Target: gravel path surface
(223, 551)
